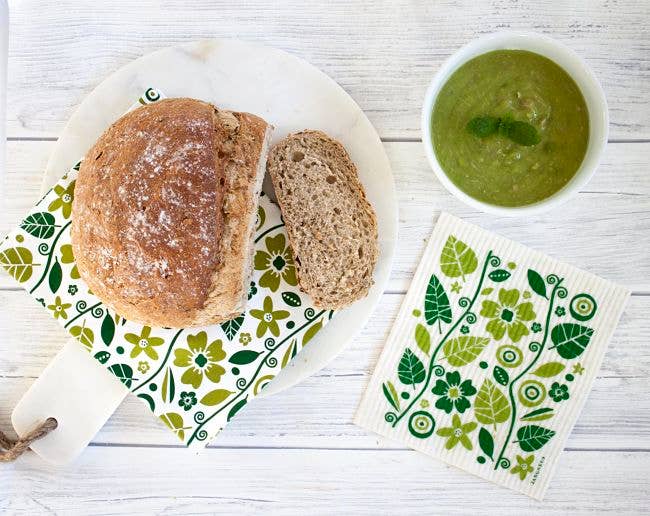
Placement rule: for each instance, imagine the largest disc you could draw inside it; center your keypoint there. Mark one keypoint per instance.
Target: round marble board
(287, 92)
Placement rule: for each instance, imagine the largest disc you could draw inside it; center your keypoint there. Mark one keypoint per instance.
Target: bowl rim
(581, 74)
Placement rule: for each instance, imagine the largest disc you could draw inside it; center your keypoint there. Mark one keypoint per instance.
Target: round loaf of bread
(164, 211)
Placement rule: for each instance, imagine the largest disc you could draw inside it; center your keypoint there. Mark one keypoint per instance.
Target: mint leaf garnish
(504, 125)
(483, 126)
(522, 133)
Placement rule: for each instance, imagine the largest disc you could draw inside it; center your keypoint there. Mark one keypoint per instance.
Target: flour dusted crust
(164, 211)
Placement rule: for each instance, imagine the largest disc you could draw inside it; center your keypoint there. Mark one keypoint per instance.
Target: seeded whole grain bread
(164, 212)
(331, 225)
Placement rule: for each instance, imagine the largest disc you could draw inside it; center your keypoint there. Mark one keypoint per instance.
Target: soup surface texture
(502, 87)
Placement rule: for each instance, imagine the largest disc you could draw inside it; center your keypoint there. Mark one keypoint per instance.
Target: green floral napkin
(194, 380)
(491, 357)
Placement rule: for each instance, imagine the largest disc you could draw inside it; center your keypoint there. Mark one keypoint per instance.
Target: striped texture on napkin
(491, 357)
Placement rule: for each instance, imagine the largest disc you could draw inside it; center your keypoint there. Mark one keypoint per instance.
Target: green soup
(513, 85)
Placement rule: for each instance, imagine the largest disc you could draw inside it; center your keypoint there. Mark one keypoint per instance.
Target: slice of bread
(331, 225)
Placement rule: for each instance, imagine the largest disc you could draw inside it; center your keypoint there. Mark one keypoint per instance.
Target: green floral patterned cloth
(194, 380)
(491, 357)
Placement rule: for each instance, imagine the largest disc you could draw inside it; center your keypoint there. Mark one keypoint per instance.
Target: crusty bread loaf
(331, 226)
(164, 212)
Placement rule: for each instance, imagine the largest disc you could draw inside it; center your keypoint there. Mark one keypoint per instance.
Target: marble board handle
(78, 393)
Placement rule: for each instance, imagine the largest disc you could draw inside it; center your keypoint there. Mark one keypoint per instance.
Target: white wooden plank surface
(383, 53)
(266, 481)
(298, 452)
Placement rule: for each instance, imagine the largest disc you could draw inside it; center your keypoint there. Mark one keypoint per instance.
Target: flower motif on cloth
(491, 355)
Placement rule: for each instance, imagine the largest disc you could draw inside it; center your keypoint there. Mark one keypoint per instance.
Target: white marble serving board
(286, 91)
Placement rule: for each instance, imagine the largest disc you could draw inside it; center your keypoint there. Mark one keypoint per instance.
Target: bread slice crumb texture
(331, 225)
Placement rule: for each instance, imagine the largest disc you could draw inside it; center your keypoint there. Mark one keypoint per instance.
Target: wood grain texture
(112, 480)
(384, 53)
(605, 229)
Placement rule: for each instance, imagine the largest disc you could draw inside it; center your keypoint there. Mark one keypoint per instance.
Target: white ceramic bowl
(573, 65)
